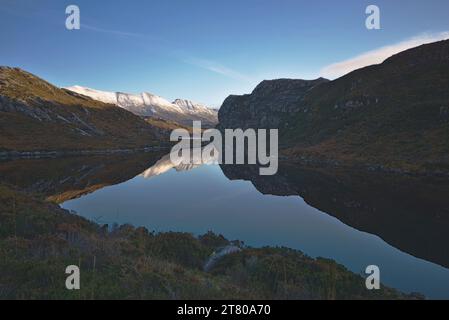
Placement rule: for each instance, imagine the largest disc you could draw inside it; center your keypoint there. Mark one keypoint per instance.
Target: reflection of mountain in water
(62, 179)
(409, 213)
(188, 163)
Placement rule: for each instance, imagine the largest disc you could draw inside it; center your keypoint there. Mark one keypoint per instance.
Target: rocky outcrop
(266, 105)
(217, 256)
(393, 115)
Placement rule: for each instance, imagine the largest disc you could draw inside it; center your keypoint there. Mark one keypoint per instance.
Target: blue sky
(205, 50)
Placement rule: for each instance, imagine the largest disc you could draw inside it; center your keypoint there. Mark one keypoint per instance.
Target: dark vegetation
(38, 240)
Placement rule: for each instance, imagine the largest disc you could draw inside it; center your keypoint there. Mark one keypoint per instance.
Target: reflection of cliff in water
(62, 179)
(410, 213)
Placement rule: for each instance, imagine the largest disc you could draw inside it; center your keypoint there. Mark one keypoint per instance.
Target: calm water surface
(203, 198)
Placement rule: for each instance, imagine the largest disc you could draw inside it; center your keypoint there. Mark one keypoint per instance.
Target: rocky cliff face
(266, 105)
(393, 115)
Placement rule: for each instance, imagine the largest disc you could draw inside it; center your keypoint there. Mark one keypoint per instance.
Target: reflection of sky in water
(204, 199)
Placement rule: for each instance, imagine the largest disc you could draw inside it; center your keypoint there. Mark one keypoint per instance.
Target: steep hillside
(35, 115)
(266, 106)
(395, 114)
(390, 116)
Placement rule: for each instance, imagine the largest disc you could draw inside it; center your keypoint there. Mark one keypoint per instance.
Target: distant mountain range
(393, 116)
(37, 116)
(150, 105)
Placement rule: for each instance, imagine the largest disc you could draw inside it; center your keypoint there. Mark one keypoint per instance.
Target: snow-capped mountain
(150, 105)
(189, 105)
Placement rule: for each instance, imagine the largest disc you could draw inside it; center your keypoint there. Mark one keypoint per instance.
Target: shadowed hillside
(35, 115)
(392, 116)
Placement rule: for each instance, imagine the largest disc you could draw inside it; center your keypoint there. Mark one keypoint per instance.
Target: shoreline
(10, 155)
(182, 268)
(299, 160)
(357, 165)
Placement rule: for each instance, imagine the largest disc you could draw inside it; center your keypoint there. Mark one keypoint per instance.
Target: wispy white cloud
(209, 65)
(379, 55)
(218, 68)
(112, 32)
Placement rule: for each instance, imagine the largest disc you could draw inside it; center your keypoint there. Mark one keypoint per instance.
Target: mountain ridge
(147, 104)
(390, 116)
(38, 116)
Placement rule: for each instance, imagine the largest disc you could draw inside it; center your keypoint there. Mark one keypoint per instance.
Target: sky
(205, 50)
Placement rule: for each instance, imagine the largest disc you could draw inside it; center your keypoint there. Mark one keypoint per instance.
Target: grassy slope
(394, 114)
(64, 121)
(38, 240)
